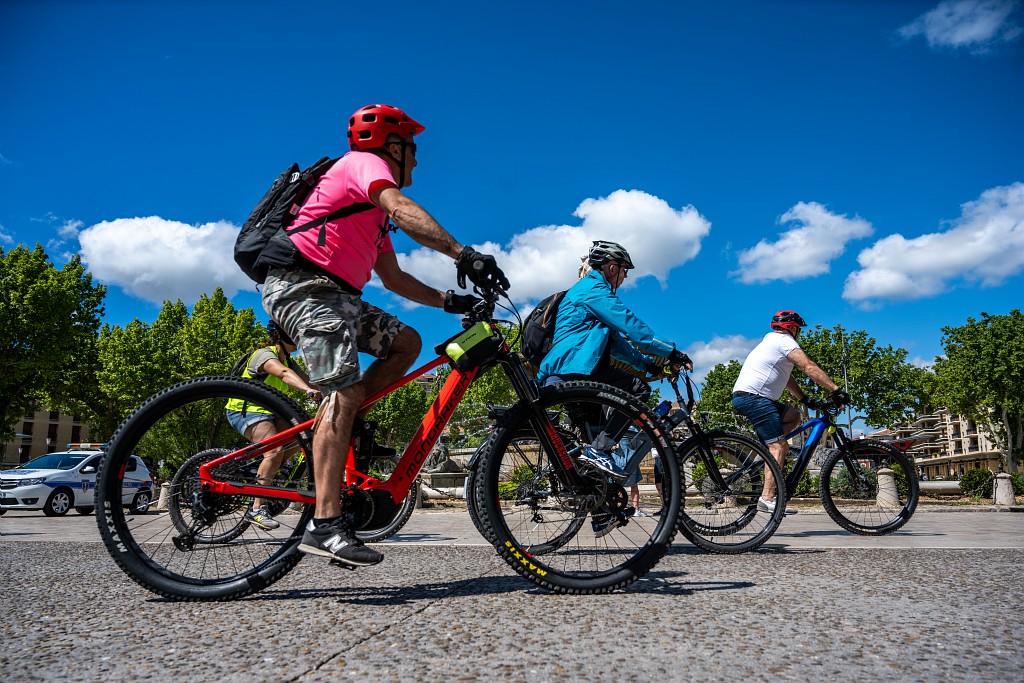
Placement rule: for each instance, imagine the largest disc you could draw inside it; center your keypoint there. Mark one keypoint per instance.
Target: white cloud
(975, 25)
(984, 246)
(5, 238)
(157, 259)
(545, 259)
(706, 355)
(803, 251)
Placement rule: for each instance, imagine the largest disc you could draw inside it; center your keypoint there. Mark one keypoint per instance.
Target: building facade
(44, 431)
(957, 446)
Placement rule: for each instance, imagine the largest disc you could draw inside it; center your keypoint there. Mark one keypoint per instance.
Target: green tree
(716, 395)
(982, 377)
(884, 389)
(140, 359)
(48, 324)
(399, 414)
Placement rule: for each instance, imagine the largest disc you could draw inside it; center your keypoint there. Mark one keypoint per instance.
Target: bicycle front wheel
(202, 547)
(725, 519)
(869, 488)
(536, 513)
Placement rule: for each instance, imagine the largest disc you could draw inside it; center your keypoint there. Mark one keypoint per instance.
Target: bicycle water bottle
(661, 410)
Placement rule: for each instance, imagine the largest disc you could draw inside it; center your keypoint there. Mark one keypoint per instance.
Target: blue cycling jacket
(589, 318)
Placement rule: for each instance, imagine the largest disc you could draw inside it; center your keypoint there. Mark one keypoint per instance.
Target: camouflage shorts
(330, 326)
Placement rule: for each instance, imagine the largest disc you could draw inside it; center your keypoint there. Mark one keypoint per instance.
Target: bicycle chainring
(358, 506)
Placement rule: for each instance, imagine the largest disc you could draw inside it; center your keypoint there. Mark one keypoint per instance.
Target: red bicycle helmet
(370, 126)
(788, 321)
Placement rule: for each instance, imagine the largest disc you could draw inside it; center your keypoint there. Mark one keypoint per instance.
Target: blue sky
(859, 162)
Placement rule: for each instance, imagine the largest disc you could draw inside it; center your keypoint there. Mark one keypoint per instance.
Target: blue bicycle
(867, 486)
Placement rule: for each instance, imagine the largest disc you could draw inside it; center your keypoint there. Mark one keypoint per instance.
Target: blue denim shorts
(764, 413)
(242, 421)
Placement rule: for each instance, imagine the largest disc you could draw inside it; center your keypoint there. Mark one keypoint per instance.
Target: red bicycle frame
(400, 481)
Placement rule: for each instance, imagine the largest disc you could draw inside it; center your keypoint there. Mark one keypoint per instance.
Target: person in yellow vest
(273, 364)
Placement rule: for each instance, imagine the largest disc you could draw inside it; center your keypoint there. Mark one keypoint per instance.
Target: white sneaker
(640, 513)
(769, 506)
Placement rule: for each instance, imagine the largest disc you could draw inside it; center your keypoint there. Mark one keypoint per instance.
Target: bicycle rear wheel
(535, 515)
(202, 548)
(726, 520)
(868, 487)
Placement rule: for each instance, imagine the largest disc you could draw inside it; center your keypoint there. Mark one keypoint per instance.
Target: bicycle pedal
(339, 563)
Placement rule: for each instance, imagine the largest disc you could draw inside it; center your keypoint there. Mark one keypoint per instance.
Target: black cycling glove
(813, 403)
(459, 303)
(677, 357)
(481, 269)
(839, 398)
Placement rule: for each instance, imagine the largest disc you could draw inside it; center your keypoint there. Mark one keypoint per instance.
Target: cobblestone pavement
(802, 609)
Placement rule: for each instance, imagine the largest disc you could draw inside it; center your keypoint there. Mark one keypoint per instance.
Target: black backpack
(539, 329)
(263, 242)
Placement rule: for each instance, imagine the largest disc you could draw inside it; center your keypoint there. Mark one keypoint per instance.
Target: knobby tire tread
(110, 515)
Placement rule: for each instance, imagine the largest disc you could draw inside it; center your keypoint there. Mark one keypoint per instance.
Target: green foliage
(399, 414)
(884, 389)
(700, 472)
(807, 486)
(48, 323)
(1018, 483)
(523, 474)
(982, 377)
(140, 359)
(716, 396)
(976, 483)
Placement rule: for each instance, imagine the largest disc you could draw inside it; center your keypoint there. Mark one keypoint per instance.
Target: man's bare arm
(416, 222)
(403, 284)
(811, 369)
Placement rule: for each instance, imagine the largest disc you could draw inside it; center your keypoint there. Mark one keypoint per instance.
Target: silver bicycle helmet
(602, 252)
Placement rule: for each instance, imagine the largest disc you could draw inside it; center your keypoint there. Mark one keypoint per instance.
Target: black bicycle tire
(472, 492)
(703, 535)
(110, 515)
(402, 514)
(536, 568)
(833, 510)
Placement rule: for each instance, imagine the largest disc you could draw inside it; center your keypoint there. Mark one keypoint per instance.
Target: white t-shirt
(766, 370)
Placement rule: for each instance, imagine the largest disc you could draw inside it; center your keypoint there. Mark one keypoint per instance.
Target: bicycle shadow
(663, 582)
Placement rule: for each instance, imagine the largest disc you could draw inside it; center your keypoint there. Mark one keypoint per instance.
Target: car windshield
(55, 461)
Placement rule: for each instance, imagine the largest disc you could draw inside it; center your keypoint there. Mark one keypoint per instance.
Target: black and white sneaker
(336, 541)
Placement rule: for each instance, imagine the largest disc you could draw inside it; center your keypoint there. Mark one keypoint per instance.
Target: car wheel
(85, 510)
(58, 504)
(140, 503)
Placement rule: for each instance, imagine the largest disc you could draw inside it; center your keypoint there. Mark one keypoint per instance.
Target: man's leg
(404, 350)
(780, 449)
(331, 435)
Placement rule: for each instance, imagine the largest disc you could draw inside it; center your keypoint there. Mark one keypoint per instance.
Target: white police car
(57, 482)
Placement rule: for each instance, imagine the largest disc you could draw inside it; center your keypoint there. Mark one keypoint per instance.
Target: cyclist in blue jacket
(598, 338)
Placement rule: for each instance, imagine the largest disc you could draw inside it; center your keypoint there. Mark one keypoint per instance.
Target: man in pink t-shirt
(344, 237)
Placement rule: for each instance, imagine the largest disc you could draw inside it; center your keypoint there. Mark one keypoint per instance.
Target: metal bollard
(1002, 490)
(165, 496)
(887, 494)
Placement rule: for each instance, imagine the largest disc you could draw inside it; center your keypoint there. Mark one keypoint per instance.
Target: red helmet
(370, 126)
(788, 321)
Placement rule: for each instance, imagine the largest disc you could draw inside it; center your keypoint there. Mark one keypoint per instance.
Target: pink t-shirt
(353, 242)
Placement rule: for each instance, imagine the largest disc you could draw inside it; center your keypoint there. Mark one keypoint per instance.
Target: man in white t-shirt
(766, 373)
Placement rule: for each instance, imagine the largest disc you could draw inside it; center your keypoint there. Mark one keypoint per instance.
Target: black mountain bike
(867, 486)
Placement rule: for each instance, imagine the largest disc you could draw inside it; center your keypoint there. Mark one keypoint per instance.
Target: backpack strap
(343, 212)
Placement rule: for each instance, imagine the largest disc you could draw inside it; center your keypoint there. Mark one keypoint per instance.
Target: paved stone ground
(794, 611)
